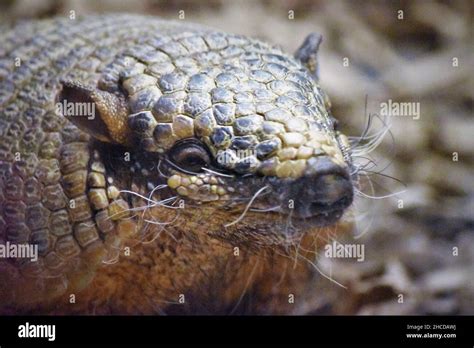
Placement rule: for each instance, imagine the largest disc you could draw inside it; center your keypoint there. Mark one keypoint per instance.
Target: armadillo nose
(326, 187)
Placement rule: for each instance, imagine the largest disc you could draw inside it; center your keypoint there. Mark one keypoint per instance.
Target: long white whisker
(247, 207)
(159, 170)
(154, 203)
(180, 169)
(218, 173)
(275, 208)
(162, 223)
(321, 272)
(380, 197)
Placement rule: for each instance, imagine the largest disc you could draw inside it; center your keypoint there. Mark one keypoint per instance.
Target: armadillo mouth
(319, 219)
(290, 222)
(311, 198)
(311, 201)
(322, 219)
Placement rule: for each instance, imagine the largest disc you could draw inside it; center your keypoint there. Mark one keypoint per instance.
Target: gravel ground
(419, 243)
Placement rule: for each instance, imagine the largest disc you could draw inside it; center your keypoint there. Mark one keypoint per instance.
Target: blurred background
(419, 241)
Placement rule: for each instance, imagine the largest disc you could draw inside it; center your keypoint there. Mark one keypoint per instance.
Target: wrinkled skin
(210, 165)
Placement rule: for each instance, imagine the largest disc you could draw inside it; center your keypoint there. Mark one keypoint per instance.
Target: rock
(455, 134)
(445, 280)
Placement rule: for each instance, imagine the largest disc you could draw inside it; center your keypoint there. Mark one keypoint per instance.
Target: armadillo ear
(308, 53)
(101, 114)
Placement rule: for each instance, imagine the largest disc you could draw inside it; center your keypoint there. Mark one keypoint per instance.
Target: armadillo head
(219, 134)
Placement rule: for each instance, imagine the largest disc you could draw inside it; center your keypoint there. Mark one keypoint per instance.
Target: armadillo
(155, 166)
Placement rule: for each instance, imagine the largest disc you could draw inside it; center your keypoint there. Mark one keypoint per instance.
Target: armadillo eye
(190, 156)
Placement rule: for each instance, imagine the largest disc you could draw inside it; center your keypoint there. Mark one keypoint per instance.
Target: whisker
(275, 208)
(246, 208)
(154, 203)
(218, 173)
(157, 234)
(159, 170)
(359, 235)
(380, 197)
(372, 140)
(244, 291)
(312, 264)
(179, 168)
(162, 223)
(288, 225)
(113, 260)
(321, 272)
